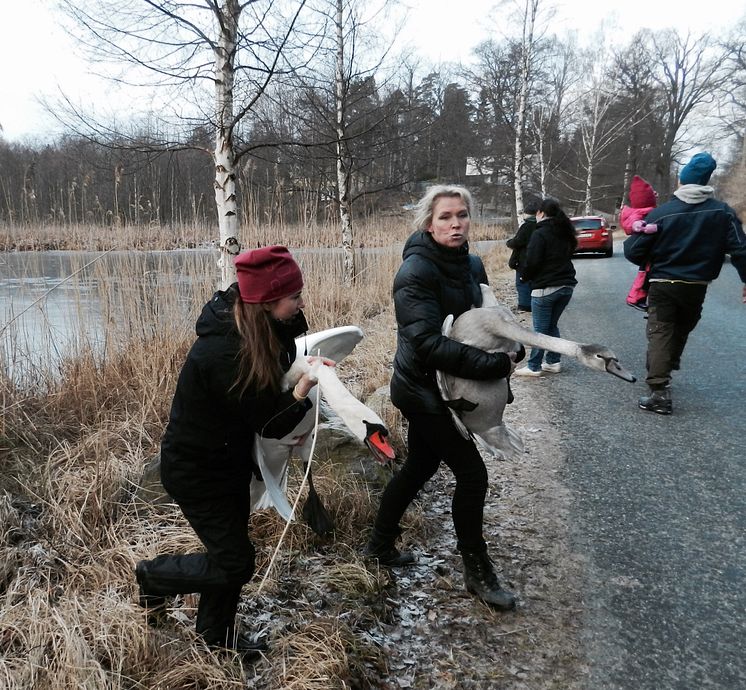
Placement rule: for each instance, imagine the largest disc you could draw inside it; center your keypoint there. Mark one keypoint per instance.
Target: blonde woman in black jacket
(439, 277)
(549, 268)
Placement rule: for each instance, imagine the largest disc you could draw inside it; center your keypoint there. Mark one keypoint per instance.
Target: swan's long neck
(350, 410)
(546, 342)
(499, 326)
(344, 404)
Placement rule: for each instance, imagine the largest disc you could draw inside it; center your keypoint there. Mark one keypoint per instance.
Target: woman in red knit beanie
(229, 389)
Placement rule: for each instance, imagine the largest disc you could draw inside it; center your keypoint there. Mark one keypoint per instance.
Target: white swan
(273, 455)
(477, 406)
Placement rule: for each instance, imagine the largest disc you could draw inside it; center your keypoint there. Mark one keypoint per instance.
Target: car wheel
(609, 252)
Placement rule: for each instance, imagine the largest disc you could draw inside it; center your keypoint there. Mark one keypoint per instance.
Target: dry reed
(74, 438)
(368, 232)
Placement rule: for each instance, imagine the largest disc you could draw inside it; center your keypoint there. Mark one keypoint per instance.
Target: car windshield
(588, 224)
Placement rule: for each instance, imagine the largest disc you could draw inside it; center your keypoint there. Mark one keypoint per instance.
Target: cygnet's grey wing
(444, 384)
(486, 419)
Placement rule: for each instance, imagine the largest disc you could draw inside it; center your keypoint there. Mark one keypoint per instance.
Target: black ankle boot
(659, 401)
(480, 580)
(155, 605)
(381, 546)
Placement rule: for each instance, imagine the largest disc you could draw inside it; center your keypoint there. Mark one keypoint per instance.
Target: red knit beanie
(267, 274)
(641, 194)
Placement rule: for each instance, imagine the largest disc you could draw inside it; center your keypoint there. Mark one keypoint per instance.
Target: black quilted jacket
(433, 282)
(208, 445)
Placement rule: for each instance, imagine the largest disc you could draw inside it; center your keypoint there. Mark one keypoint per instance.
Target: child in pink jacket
(642, 200)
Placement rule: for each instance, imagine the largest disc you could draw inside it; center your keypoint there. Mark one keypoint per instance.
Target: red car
(594, 235)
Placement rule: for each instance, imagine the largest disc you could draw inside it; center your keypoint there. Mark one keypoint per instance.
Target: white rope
(300, 491)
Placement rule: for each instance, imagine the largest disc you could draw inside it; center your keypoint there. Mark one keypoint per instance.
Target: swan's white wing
(443, 384)
(333, 343)
(272, 458)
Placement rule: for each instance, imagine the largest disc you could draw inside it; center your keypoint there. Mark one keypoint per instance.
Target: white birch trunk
(529, 20)
(224, 154)
(588, 204)
(627, 176)
(343, 192)
(543, 168)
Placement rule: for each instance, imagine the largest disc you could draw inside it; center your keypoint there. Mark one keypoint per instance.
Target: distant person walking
(695, 231)
(519, 244)
(548, 266)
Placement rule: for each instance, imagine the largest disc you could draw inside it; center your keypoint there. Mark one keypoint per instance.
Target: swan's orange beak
(376, 441)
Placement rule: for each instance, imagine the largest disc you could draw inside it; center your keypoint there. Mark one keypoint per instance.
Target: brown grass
(368, 232)
(74, 439)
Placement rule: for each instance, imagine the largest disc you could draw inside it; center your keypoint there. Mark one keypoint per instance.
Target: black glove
(520, 354)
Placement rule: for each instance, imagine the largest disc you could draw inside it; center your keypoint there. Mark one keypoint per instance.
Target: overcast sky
(37, 57)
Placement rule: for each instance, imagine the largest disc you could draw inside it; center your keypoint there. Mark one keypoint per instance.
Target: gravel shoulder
(441, 636)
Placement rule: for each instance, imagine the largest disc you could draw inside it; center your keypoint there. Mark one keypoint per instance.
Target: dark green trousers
(674, 309)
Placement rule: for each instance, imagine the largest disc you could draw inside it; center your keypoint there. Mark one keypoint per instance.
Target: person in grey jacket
(695, 231)
(439, 277)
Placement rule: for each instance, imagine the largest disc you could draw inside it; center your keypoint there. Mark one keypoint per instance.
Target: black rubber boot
(247, 647)
(659, 401)
(381, 546)
(155, 605)
(480, 580)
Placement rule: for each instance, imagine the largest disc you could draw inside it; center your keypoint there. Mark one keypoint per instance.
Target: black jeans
(221, 523)
(433, 439)
(674, 309)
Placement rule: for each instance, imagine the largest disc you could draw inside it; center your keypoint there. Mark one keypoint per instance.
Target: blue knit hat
(698, 169)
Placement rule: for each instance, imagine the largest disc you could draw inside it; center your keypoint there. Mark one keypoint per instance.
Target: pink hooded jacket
(642, 200)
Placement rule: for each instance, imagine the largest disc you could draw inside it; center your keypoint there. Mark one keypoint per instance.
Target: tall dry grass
(74, 440)
(368, 232)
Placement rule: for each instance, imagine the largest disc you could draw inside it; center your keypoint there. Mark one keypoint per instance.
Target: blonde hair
(424, 209)
(259, 356)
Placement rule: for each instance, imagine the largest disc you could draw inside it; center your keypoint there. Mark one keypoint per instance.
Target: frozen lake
(53, 302)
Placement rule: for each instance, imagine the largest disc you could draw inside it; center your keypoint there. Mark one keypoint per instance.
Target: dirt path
(442, 637)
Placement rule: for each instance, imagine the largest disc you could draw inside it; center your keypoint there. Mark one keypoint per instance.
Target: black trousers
(221, 523)
(674, 309)
(433, 439)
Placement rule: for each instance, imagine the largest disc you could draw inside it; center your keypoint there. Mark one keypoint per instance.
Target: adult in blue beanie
(698, 170)
(695, 232)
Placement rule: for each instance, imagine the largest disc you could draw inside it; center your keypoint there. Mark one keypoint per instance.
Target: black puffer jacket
(208, 444)
(691, 242)
(433, 282)
(548, 258)
(519, 243)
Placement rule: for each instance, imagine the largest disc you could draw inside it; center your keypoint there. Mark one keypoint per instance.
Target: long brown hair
(551, 209)
(259, 365)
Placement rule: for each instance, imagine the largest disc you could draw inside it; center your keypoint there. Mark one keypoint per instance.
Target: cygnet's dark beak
(613, 367)
(375, 439)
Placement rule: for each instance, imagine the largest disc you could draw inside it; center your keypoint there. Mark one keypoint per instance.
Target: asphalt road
(659, 503)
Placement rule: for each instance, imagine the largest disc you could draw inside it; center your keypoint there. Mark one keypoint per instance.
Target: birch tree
(549, 113)
(600, 122)
(527, 56)
(340, 91)
(190, 54)
(513, 68)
